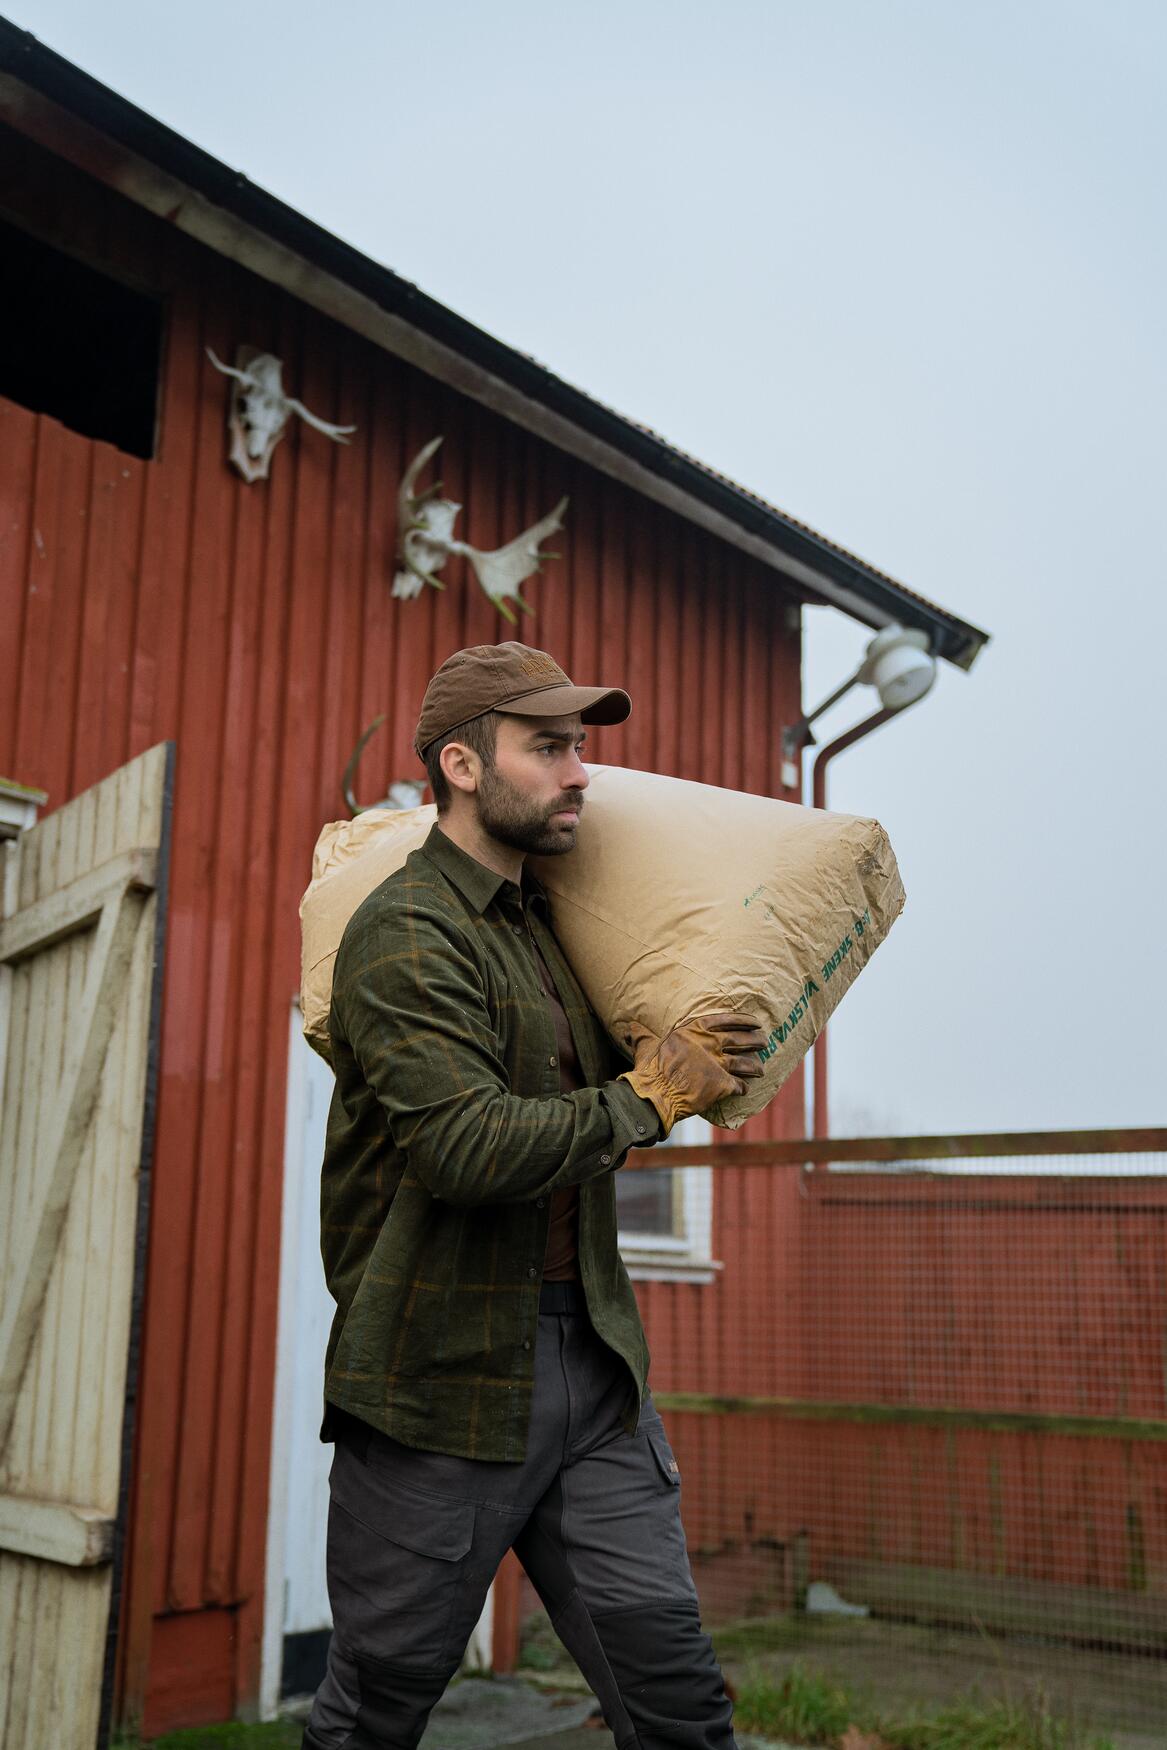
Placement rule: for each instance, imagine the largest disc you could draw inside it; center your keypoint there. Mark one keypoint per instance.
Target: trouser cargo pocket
(662, 1452)
(395, 1558)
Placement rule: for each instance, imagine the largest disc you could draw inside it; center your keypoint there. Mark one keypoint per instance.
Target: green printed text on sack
(785, 1028)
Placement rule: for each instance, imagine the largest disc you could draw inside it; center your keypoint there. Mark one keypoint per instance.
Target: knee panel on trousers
(668, 1677)
(395, 1703)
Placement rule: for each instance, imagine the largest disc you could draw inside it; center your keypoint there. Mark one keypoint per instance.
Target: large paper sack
(679, 899)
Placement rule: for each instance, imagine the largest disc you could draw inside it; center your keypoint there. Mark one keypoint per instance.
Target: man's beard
(513, 819)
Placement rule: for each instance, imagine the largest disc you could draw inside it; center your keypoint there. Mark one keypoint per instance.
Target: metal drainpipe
(819, 793)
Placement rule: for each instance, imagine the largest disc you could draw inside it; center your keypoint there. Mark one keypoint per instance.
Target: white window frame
(687, 1254)
(18, 807)
(18, 811)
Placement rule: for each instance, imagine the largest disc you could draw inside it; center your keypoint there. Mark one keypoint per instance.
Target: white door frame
(293, 1422)
(287, 1411)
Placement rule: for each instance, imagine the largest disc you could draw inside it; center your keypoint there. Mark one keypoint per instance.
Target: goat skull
(260, 410)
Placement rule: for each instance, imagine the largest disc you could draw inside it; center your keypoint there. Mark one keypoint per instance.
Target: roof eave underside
(56, 103)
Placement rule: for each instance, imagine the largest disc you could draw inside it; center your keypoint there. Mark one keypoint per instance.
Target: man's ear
(461, 766)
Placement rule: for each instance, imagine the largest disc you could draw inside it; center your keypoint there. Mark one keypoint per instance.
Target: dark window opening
(78, 345)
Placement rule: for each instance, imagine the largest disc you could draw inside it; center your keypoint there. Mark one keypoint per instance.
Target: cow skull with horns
(425, 540)
(260, 411)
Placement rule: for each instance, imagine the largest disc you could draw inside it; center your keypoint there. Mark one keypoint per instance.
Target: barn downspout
(823, 758)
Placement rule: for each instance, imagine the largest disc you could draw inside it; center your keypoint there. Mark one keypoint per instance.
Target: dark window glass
(644, 1201)
(78, 345)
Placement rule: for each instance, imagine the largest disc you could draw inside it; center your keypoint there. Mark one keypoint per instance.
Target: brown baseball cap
(513, 678)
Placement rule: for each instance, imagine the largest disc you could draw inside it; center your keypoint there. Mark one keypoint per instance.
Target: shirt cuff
(635, 1122)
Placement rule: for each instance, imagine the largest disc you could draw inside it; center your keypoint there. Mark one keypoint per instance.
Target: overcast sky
(900, 269)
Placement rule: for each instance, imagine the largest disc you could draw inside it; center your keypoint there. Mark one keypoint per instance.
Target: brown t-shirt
(561, 1262)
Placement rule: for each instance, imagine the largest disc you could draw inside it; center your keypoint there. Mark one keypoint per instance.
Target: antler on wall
(425, 540)
(260, 410)
(501, 572)
(403, 792)
(425, 528)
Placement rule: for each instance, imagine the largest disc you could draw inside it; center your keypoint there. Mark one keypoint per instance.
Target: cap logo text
(539, 668)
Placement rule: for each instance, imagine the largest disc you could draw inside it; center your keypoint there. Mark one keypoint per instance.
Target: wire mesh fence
(919, 1401)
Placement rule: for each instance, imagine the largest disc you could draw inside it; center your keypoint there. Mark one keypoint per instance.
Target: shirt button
(640, 1129)
(540, 1203)
(532, 1272)
(517, 928)
(551, 1061)
(526, 1342)
(605, 1160)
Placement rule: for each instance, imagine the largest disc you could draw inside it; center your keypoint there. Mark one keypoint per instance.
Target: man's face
(532, 797)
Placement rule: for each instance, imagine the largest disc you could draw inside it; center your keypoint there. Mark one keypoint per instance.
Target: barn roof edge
(514, 383)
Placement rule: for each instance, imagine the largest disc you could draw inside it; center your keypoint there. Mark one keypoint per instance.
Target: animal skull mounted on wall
(425, 540)
(260, 411)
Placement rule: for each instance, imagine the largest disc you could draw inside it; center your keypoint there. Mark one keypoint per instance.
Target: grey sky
(898, 267)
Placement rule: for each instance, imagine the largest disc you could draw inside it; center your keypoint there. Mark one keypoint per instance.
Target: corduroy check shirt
(447, 1136)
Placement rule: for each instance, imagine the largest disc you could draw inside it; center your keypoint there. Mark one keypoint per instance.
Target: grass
(540, 1648)
(810, 1707)
(805, 1705)
(271, 1735)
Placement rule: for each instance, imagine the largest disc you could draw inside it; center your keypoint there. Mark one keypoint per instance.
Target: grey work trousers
(593, 1512)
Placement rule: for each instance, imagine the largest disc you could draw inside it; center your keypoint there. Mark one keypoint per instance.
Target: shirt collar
(475, 882)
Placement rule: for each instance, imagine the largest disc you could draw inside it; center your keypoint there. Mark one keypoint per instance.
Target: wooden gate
(79, 985)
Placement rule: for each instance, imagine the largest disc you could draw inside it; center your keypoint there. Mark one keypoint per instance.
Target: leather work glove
(696, 1065)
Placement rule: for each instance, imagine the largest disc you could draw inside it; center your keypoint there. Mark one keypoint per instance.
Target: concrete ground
(481, 1714)
(475, 1714)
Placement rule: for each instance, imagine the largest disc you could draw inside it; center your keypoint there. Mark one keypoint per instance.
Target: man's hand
(696, 1065)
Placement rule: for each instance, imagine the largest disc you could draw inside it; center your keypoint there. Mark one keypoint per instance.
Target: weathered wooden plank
(973, 1145)
(57, 988)
(9, 1583)
(9, 879)
(56, 1531)
(108, 968)
(64, 1444)
(91, 1275)
(76, 906)
(916, 1416)
(82, 1615)
(21, 1647)
(46, 1403)
(34, 1071)
(108, 1265)
(11, 1111)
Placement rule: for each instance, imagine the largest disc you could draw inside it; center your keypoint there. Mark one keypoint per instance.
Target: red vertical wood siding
(254, 626)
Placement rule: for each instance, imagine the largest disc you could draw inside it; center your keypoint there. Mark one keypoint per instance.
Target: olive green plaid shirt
(447, 1135)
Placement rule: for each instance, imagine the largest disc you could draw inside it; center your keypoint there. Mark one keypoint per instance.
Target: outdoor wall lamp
(898, 664)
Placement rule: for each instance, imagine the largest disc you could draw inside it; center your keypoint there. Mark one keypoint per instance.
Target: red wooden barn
(152, 594)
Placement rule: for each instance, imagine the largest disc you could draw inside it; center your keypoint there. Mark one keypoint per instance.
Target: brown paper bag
(679, 899)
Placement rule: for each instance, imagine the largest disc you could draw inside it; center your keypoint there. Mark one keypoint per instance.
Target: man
(485, 1378)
